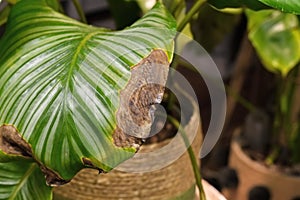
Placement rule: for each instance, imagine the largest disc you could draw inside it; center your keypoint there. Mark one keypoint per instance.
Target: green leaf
(252, 4)
(52, 3)
(214, 23)
(60, 83)
(21, 179)
(276, 38)
(292, 6)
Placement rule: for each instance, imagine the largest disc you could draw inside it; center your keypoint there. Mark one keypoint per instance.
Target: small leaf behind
(276, 38)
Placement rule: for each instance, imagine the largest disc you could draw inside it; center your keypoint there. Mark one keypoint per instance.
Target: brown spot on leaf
(144, 89)
(141, 101)
(125, 140)
(12, 143)
(52, 178)
(87, 162)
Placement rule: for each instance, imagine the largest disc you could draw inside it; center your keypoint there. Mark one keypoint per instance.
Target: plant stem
(177, 8)
(281, 109)
(244, 102)
(192, 156)
(272, 157)
(173, 7)
(79, 11)
(290, 93)
(172, 98)
(190, 15)
(181, 26)
(277, 122)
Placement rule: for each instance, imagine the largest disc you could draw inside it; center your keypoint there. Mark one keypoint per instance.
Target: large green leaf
(292, 6)
(252, 4)
(61, 80)
(276, 38)
(20, 183)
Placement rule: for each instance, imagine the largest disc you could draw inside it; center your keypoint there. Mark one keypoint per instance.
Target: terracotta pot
(175, 181)
(252, 173)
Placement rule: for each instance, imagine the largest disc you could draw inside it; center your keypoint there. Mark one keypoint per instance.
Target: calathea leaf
(76, 93)
(252, 4)
(292, 6)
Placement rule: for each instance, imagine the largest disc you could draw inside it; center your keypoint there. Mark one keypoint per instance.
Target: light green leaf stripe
(60, 82)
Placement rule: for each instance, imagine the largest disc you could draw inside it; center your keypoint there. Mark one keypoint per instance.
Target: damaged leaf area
(137, 101)
(11, 142)
(79, 96)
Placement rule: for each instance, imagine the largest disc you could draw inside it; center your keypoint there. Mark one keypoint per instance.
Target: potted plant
(73, 83)
(63, 82)
(45, 63)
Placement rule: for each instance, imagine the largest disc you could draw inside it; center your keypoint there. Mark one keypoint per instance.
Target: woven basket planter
(175, 181)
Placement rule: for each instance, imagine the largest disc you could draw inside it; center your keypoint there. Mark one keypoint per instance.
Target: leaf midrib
(68, 82)
(75, 56)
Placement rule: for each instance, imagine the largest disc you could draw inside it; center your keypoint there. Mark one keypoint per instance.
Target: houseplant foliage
(292, 6)
(57, 73)
(61, 83)
(274, 32)
(276, 38)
